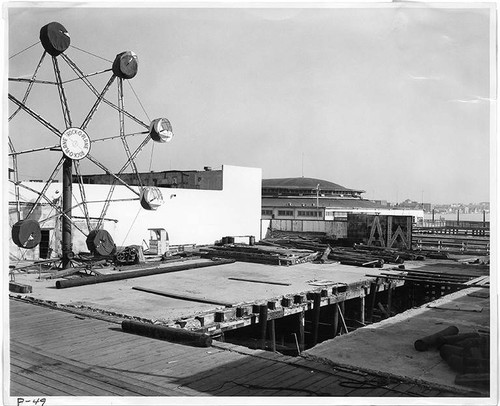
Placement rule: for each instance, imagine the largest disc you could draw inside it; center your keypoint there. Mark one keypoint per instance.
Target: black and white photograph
(249, 203)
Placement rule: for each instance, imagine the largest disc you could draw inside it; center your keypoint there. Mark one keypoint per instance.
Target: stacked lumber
(453, 244)
(361, 257)
(391, 255)
(299, 242)
(459, 279)
(271, 255)
(294, 249)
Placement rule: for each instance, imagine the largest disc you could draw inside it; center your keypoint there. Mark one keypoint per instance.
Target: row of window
(289, 213)
(337, 216)
(308, 213)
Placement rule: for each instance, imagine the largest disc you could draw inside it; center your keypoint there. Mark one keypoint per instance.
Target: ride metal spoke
(82, 194)
(27, 151)
(100, 98)
(62, 94)
(113, 184)
(88, 75)
(62, 213)
(39, 82)
(96, 162)
(16, 179)
(122, 131)
(95, 91)
(138, 149)
(92, 201)
(35, 115)
(47, 185)
(119, 136)
(28, 90)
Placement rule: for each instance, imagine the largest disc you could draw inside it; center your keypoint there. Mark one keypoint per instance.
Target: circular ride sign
(75, 143)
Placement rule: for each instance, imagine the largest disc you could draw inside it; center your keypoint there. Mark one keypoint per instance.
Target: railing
(474, 228)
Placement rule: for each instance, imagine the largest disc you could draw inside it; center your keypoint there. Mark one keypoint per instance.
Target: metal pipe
(182, 297)
(66, 220)
(137, 274)
(423, 344)
(260, 281)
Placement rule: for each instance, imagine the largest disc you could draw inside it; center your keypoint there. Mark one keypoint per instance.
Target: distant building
(207, 179)
(306, 187)
(188, 216)
(410, 204)
(302, 198)
(316, 205)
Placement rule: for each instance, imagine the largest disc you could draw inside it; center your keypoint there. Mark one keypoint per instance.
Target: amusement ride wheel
(75, 142)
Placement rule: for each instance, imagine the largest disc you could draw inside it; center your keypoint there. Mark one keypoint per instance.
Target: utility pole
(317, 197)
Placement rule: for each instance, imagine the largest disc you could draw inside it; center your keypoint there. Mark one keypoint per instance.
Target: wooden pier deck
(59, 353)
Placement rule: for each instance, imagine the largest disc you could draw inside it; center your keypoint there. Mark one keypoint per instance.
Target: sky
(394, 100)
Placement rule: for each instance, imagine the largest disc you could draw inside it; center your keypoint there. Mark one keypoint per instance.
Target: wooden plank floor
(57, 353)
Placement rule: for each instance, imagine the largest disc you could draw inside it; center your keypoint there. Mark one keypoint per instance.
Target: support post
(341, 308)
(66, 223)
(263, 325)
(362, 301)
(272, 334)
(373, 294)
(316, 314)
(335, 320)
(389, 298)
(301, 330)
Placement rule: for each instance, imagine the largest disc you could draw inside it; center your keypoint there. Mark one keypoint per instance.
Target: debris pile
(468, 354)
(260, 254)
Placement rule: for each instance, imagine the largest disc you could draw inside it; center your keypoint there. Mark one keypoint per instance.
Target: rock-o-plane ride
(76, 144)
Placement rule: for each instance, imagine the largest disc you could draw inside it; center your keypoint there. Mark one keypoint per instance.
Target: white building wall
(189, 216)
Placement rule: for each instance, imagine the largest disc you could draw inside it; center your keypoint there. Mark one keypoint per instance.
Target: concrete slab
(211, 283)
(387, 347)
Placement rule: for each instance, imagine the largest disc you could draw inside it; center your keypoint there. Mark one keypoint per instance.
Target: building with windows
(207, 179)
(318, 206)
(188, 215)
(310, 198)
